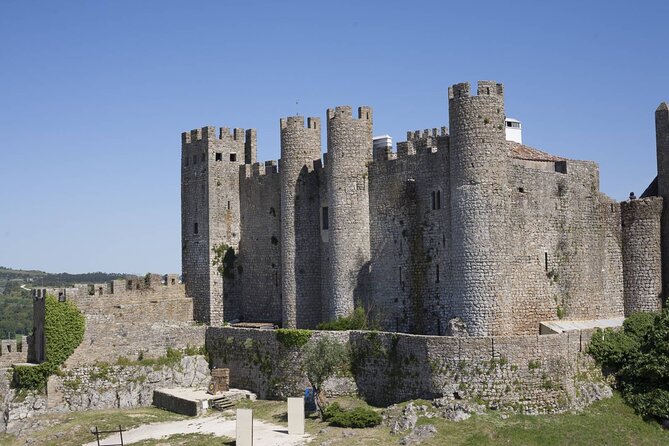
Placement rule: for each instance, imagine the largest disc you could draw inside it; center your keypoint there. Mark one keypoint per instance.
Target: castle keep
(460, 231)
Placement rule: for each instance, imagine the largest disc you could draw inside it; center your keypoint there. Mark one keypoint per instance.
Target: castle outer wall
(457, 233)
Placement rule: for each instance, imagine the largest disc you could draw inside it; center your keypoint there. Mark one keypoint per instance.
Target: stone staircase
(221, 403)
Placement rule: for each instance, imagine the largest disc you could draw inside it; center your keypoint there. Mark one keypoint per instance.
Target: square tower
(210, 164)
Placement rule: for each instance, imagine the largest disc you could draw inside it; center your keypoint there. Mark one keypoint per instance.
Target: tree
(638, 356)
(322, 360)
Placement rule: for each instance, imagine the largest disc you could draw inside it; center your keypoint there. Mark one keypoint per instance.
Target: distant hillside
(16, 300)
(13, 278)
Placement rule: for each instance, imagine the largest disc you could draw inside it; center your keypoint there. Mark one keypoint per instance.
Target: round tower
(642, 255)
(479, 207)
(349, 152)
(300, 254)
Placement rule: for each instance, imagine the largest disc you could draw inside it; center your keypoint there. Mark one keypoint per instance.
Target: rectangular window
(202, 157)
(233, 157)
(219, 156)
(437, 274)
(326, 219)
(546, 261)
(194, 159)
(436, 199)
(195, 229)
(228, 205)
(186, 163)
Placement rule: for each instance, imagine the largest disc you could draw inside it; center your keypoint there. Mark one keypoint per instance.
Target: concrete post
(295, 416)
(244, 427)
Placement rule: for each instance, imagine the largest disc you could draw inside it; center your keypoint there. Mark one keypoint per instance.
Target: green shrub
(292, 337)
(358, 320)
(358, 418)
(63, 331)
(638, 357)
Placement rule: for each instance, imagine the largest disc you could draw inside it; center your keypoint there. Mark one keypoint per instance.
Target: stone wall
(12, 352)
(410, 236)
(98, 387)
(259, 269)
(566, 248)
(122, 320)
(531, 373)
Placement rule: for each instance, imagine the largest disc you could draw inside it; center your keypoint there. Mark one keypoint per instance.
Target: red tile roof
(522, 152)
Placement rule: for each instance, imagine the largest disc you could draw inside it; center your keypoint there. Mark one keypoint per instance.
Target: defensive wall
(459, 230)
(259, 266)
(530, 373)
(13, 352)
(138, 316)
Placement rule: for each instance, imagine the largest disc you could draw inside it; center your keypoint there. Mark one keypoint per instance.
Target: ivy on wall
(293, 337)
(63, 330)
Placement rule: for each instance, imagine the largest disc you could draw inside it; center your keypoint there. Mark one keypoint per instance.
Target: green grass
(609, 422)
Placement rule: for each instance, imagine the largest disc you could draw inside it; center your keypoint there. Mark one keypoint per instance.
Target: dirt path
(266, 434)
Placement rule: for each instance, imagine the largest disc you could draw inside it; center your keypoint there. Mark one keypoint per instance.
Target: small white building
(514, 130)
(383, 141)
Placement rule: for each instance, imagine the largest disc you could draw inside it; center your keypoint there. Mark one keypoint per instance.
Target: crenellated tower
(479, 207)
(349, 152)
(210, 163)
(300, 230)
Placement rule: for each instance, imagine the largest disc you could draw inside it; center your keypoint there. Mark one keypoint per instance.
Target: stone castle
(461, 231)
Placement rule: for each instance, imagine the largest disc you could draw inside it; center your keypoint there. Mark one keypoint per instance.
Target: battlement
(346, 112)
(650, 207)
(210, 133)
(435, 132)
(122, 286)
(484, 88)
(298, 121)
(259, 169)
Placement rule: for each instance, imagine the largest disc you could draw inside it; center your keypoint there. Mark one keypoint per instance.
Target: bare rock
(418, 435)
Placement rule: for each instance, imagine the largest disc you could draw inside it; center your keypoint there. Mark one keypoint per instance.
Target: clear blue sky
(94, 96)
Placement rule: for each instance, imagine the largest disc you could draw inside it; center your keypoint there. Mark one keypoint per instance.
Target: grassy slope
(608, 422)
